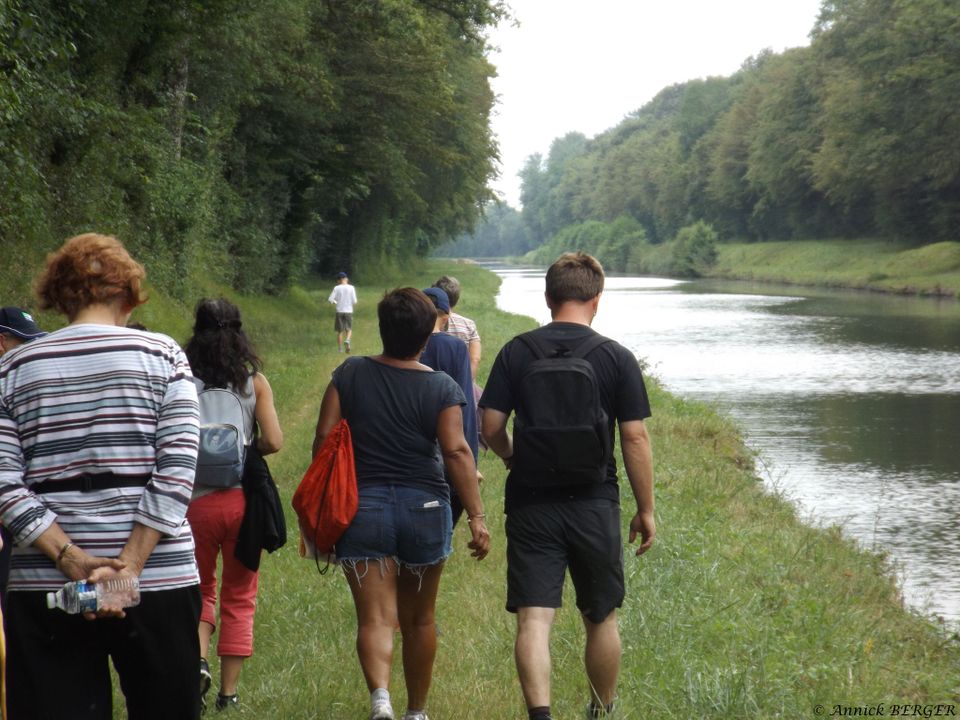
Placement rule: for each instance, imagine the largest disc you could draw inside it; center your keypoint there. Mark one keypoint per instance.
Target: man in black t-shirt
(552, 527)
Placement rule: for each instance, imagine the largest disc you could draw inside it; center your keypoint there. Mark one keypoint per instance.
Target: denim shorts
(411, 525)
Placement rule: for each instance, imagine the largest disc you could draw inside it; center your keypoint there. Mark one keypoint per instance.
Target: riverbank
(861, 264)
(739, 611)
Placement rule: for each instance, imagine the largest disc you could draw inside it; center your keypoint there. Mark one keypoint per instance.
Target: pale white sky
(579, 65)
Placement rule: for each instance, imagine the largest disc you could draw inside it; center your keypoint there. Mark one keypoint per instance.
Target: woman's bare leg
(416, 603)
(374, 587)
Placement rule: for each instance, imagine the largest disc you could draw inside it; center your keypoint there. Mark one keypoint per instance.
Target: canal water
(851, 399)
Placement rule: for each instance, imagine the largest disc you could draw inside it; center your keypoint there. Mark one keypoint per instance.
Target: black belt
(89, 482)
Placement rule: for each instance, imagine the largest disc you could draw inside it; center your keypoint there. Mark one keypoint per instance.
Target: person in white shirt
(344, 296)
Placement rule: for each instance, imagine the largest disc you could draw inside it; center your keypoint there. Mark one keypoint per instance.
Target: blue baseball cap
(341, 274)
(439, 297)
(16, 321)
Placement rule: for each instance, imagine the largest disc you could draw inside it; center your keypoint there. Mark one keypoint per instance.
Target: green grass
(865, 264)
(738, 611)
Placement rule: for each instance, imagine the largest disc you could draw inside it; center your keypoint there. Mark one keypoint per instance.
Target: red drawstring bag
(326, 499)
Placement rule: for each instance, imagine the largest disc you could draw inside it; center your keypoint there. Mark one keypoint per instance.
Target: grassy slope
(739, 610)
(871, 264)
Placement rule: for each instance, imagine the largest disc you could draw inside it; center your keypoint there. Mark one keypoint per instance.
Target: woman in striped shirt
(98, 445)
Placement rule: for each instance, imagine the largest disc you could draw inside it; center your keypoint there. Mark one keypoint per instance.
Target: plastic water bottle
(80, 596)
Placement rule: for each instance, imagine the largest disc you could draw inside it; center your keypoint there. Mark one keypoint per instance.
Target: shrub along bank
(738, 611)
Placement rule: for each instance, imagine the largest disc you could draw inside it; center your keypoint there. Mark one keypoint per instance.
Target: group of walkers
(99, 430)
(99, 479)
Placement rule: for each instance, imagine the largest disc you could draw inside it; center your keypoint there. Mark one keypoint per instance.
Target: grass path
(739, 610)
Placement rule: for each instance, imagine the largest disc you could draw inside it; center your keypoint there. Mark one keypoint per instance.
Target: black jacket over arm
(263, 526)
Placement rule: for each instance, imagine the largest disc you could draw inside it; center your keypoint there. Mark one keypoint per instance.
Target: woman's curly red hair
(89, 269)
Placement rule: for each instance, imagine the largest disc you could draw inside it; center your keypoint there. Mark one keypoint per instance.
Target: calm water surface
(851, 399)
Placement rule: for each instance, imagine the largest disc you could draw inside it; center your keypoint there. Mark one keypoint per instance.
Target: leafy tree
(623, 234)
(893, 81)
(533, 196)
(848, 137)
(729, 161)
(251, 139)
(694, 250)
(502, 233)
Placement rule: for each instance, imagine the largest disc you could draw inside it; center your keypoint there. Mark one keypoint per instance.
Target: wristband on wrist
(478, 516)
(63, 551)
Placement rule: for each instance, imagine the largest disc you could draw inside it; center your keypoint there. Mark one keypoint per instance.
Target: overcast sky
(579, 65)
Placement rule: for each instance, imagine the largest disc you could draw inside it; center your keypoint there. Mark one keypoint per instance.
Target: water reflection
(853, 399)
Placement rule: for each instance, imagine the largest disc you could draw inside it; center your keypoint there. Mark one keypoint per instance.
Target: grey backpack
(223, 443)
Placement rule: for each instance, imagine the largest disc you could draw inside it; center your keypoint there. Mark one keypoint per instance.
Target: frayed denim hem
(353, 565)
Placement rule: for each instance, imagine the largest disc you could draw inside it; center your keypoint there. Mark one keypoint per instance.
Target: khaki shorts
(343, 322)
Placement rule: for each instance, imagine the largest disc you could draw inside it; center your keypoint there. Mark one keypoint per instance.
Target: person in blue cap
(344, 296)
(16, 328)
(448, 354)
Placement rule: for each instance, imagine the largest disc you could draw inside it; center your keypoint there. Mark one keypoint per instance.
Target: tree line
(243, 140)
(856, 135)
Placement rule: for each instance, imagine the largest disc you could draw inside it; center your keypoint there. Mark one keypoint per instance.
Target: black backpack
(560, 433)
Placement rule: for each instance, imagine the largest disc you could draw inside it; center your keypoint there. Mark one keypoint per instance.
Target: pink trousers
(215, 519)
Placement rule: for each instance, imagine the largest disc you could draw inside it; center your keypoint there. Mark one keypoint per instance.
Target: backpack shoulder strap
(535, 346)
(588, 346)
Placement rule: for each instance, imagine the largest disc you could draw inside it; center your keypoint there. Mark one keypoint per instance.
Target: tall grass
(867, 264)
(738, 611)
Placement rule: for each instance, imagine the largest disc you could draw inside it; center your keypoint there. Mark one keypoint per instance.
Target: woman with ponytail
(221, 356)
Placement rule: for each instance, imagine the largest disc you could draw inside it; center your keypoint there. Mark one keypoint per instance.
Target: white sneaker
(382, 710)
(415, 715)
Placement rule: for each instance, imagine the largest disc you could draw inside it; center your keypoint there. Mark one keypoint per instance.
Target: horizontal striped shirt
(92, 399)
(463, 328)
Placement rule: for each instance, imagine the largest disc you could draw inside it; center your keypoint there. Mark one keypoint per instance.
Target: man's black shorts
(544, 539)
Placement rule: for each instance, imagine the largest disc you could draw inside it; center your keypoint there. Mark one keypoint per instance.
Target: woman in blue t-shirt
(406, 425)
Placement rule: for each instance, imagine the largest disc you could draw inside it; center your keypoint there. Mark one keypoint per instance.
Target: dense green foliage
(250, 139)
(853, 136)
(502, 232)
